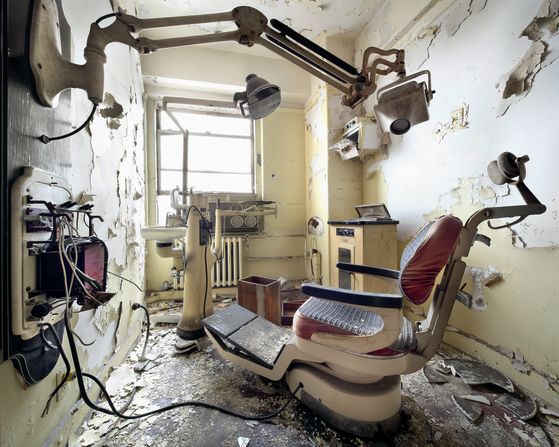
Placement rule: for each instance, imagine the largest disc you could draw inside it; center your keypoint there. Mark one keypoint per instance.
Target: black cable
(139, 306)
(206, 273)
(45, 139)
(127, 280)
(106, 16)
(66, 363)
(192, 403)
(114, 412)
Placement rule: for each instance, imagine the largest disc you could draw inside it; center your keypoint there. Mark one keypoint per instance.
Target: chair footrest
(244, 332)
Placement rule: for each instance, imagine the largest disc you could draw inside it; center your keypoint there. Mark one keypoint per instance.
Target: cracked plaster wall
(107, 162)
(334, 186)
(500, 63)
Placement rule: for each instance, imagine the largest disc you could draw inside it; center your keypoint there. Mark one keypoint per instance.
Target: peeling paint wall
(316, 162)
(344, 176)
(107, 161)
(495, 72)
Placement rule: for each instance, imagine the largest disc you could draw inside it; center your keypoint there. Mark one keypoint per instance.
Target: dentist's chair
(348, 349)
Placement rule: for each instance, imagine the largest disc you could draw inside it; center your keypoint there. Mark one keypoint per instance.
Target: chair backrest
(426, 255)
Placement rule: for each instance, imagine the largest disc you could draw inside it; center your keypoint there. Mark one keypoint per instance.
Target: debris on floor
(525, 408)
(477, 398)
(432, 375)
(431, 416)
(473, 372)
(470, 409)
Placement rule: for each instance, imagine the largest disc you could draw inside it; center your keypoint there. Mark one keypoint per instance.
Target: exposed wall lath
(228, 271)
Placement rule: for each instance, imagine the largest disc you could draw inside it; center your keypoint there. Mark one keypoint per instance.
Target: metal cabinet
(373, 244)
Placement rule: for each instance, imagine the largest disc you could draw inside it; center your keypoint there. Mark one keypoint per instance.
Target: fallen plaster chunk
(120, 378)
(243, 442)
(89, 437)
(477, 398)
(549, 412)
(165, 319)
(523, 435)
(442, 369)
(522, 367)
(184, 346)
(473, 372)
(525, 408)
(432, 375)
(471, 410)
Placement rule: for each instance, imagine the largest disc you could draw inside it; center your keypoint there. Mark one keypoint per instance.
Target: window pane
(170, 180)
(163, 207)
(171, 151)
(219, 154)
(202, 123)
(220, 182)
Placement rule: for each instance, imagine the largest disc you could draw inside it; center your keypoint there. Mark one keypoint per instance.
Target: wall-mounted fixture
(53, 73)
(54, 263)
(403, 104)
(359, 135)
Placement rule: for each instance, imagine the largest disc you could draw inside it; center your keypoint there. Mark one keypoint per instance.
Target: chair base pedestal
(359, 409)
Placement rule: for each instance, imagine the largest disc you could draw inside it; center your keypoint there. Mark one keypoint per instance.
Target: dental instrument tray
(376, 211)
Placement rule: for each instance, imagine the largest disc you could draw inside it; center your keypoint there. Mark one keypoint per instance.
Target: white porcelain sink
(164, 234)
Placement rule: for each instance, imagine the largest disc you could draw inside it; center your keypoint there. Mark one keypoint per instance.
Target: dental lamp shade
(403, 104)
(260, 98)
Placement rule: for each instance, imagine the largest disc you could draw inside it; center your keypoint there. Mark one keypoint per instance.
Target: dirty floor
(430, 415)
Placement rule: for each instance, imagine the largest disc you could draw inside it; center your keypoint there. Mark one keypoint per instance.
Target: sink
(164, 234)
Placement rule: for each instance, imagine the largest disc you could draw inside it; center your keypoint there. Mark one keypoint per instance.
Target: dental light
(260, 98)
(54, 73)
(404, 103)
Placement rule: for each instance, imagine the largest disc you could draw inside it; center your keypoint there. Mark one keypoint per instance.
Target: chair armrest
(367, 270)
(379, 300)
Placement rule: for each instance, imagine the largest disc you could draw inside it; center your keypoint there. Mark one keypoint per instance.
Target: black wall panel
(24, 119)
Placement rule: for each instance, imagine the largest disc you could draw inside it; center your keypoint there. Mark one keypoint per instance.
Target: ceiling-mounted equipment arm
(357, 85)
(54, 73)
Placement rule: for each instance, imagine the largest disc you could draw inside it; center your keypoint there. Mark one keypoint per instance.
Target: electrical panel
(45, 259)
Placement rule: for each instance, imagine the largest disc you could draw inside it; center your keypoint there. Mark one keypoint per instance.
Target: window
(205, 151)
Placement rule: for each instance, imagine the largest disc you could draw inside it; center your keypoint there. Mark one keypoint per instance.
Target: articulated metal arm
(54, 73)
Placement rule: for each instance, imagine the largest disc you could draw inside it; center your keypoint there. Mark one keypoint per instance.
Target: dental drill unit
(191, 255)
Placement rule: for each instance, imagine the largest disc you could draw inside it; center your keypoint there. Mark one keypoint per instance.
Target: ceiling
(309, 17)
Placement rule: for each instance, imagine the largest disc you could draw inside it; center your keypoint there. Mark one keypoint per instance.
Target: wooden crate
(262, 296)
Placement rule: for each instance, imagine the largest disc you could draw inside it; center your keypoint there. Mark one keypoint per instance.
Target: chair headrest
(426, 255)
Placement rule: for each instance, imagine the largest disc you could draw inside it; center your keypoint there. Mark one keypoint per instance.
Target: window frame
(186, 134)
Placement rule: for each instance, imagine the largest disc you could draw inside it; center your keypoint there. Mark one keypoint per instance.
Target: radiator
(229, 270)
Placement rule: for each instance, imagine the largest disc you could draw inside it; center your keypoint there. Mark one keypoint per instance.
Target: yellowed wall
(316, 162)
(430, 171)
(279, 170)
(107, 162)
